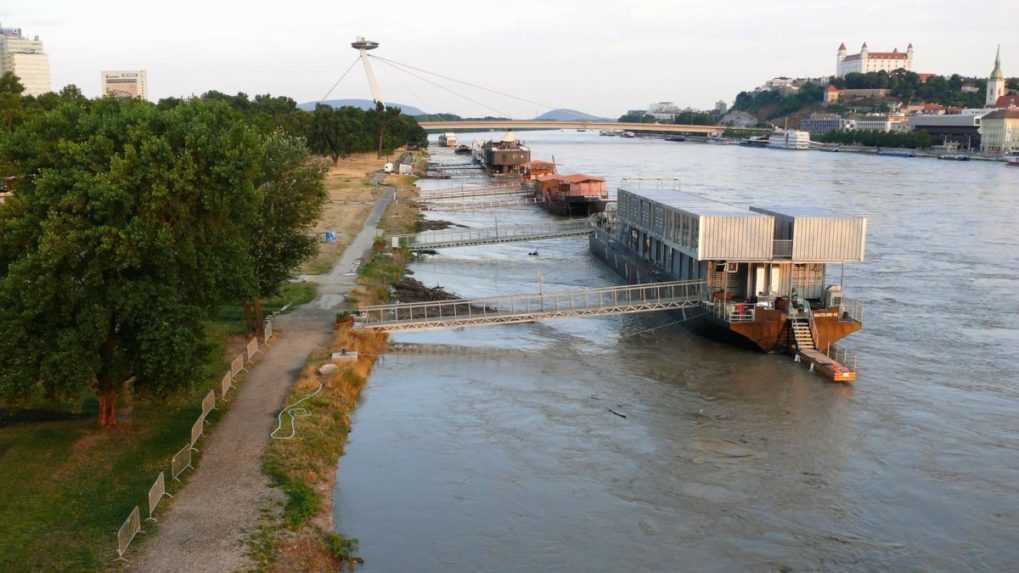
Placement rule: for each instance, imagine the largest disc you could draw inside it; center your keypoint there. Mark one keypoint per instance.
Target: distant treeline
(777, 105)
(873, 138)
(906, 87)
(688, 117)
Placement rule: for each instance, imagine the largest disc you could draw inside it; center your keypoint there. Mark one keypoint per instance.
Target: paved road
(204, 528)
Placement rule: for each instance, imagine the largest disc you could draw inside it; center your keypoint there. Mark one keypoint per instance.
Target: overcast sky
(599, 57)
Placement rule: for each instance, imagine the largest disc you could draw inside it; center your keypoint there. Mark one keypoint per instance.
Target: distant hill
(360, 103)
(568, 115)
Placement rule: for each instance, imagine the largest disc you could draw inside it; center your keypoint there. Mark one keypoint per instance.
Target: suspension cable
(473, 85)
(328, 93)
(403, 69)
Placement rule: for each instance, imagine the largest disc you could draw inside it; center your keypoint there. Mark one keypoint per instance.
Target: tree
(636, 117)
(10, 100)
(291, 198)
(128, 227)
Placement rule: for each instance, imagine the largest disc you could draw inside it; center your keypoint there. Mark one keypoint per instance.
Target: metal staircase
(802, 335)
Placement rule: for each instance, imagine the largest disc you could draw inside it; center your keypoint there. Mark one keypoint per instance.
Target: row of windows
(674, 226)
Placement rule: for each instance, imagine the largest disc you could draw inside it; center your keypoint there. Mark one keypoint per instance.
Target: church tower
(995, 83)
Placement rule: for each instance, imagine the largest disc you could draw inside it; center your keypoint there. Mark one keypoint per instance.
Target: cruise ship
(789, 139)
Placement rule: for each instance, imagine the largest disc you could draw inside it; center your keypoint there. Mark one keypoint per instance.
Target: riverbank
(302, 460)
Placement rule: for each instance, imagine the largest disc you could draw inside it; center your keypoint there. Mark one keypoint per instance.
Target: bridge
(683, 296)
(490, 236)
(467, 193)
(523, 124)
(478, 205)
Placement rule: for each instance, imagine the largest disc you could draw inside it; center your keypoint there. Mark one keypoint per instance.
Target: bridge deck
(542, 124)
(685, 296)
(493, 235)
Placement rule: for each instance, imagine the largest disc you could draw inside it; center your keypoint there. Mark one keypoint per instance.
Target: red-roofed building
(1007, 101)
(866, 61)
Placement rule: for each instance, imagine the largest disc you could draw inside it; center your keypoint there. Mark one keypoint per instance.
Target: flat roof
(797, 211)
(691, 203)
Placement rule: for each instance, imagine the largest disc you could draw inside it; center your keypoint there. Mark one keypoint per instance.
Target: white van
(388, 168)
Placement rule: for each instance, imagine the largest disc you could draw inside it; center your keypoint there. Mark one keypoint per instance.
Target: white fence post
(125, 535)
(268, 331)
(181, 461)
(156, 493)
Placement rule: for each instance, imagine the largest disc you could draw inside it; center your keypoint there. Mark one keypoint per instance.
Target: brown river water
(502, 455)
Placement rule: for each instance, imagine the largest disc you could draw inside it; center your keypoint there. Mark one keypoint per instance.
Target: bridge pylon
(363, 46)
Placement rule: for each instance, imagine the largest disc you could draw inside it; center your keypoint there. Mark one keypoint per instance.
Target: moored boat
(571, 195)
(506, 156)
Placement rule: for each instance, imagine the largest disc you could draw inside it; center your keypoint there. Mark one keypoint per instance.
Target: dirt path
(205, 526)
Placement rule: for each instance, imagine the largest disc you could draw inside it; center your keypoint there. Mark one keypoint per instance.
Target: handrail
(504, 232)
(852, 309)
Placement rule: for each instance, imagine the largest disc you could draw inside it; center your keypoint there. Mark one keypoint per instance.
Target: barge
(506, 156)
(766, 269)
(571, 195)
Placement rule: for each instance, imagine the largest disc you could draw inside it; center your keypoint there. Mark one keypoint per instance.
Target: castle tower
(909, 56)
(839, 56)
(995, 83)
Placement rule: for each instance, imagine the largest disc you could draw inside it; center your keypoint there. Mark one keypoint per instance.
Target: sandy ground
(204, 528)
(350, 200)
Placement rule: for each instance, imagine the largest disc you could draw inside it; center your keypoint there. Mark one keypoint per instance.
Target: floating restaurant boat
(506, 156)
(447, 140)
(895, 153)
(789, 139)
(953, 157)
(462, 150)
(765, 268)
(571, 195)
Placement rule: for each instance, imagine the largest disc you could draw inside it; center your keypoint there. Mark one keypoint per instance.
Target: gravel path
(204, 528)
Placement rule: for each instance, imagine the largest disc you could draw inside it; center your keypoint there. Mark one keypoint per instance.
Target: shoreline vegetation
(302, 536)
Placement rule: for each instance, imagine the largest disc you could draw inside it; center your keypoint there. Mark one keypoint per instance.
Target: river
(503, 456)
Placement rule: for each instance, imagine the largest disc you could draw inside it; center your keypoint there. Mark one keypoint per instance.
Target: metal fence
(181, 460)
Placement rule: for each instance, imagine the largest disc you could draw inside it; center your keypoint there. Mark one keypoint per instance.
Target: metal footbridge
(478, 205)
(489, 236)
(683, 296)
(468, 193)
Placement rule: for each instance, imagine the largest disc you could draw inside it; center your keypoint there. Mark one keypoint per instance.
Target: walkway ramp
(489, 236)
(683, 296)
(465, 192)
(478, 205)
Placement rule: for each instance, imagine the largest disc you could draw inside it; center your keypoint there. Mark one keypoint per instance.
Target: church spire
(997, 64)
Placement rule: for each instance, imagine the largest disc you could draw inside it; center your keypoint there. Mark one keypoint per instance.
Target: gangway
(489, 236)
(478, 205)
(470, 193)
(683, 296)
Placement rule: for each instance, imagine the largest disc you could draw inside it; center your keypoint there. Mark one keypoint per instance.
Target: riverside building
(25, 58)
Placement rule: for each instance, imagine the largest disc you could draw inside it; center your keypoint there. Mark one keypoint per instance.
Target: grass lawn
(66, 486)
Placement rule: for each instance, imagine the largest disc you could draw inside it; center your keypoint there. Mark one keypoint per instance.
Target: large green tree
(292, 194)
(128, 226)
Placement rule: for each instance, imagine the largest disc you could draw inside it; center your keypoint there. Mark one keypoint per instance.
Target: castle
(867, 61)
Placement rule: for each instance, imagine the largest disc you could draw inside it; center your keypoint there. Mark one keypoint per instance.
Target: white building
(996, 82)
(664, 111)
(999, 131)
(25, 58)
(866, 61)
(125, 83)
(878, 122)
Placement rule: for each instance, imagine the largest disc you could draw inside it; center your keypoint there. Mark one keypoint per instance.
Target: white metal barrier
(156, 493)
(125, 535)
(237, 365)
(181, 461)
(208, 404)
(268, 331)
(197, 430)
(252, 348)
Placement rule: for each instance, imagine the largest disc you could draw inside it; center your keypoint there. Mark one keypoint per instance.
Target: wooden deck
(835, 370)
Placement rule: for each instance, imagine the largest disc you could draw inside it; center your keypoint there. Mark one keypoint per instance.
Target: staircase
(802, 335)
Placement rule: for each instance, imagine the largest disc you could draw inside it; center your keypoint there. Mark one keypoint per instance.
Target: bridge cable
(328, 93)
(440, 86)
(473, 85)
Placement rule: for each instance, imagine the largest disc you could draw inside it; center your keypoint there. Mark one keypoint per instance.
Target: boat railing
(847, 358)
(851, 310)
(734, 311)
(782, 249)
(649, 183)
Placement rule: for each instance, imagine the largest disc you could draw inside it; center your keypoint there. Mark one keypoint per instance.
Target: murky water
(505, 457)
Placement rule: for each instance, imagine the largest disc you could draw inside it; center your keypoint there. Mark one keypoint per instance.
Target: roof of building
(539, 163)
(1002, 114)
(691, 203)
(580, 178)
(1007, 101)
(794, 212)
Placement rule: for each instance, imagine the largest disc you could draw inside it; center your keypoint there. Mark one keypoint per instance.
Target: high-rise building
(996, 82)
(124, 83)
(26, 59)
(867, 61)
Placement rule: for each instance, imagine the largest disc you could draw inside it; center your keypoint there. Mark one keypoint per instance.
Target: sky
(601, 57)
